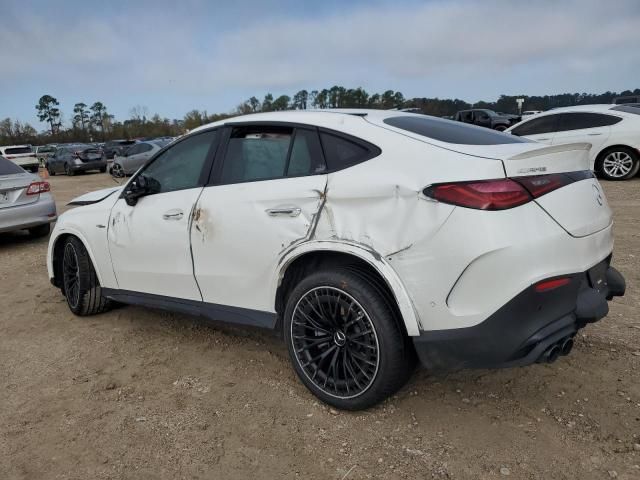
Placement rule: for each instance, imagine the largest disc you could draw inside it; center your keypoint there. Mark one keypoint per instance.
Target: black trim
(210, 311)
(91, 202)
(525, 328)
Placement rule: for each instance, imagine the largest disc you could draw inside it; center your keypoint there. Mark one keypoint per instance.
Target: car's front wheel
(619, 163)
(79, 280)
(68, 170)
(344, 339)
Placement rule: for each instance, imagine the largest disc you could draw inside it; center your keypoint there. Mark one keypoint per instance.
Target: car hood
(95, 197)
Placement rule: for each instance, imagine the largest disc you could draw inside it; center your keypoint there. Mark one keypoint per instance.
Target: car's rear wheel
(80, 283)
(40, 230)
(620, 163)
(344, 339)
(117, 171)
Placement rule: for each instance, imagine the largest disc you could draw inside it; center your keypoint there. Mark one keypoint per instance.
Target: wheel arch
(55, 249)
(610, 148)
(309, 255)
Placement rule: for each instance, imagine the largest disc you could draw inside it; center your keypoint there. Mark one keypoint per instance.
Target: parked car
(366, 237)
(43, 152)
(26, 202)
(612, 130)
(113, 148)
(135, 157)
(73, 158)
(486, 118)
(528, 113)
(22, 155)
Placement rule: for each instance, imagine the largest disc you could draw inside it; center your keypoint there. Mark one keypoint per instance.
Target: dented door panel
(149, 244)
(237, 242)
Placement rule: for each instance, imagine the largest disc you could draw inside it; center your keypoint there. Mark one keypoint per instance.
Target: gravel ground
(143, 394)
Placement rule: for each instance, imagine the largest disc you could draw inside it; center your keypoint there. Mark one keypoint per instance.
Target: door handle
(594, 134)
(173, 215)
(541, 139)
(290, 211)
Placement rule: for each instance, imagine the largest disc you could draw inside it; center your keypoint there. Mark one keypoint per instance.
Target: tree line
(94, 122)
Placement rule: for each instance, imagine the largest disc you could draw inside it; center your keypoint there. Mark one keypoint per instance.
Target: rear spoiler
(568, 147)
(571, 157)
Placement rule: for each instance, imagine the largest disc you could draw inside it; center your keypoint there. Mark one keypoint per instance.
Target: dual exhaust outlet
(560, 348)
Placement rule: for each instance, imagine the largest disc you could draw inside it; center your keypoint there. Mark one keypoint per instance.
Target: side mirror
(141, 186)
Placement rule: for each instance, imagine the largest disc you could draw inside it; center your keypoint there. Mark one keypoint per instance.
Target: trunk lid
(89, 154)
(580, 207)
(13, 190)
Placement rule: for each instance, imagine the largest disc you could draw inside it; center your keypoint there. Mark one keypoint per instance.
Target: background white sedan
(612, 130)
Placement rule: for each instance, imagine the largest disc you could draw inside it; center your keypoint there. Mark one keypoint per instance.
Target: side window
(180, 167)
(341, 153)
(133, 150)
(256, 153)
(306, 154)
(144, 147)
(581, 120)
(536, 126)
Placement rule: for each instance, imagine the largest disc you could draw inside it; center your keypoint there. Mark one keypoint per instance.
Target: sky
(175, 56)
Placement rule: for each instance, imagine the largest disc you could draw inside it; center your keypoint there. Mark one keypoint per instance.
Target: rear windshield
(451, 132)
(635, 108)
(7, 167)
(17, 150)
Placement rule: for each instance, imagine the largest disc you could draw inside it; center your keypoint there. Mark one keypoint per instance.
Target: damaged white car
(371, 239)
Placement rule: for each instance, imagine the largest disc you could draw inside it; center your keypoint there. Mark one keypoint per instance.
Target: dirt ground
(143, 394)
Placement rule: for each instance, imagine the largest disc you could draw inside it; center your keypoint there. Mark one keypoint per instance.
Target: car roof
(15, 146)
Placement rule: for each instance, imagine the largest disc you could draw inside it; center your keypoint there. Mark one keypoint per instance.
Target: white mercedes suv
(370, 239)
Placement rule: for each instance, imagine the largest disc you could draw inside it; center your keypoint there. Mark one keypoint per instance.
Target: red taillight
(503, 193)
(547, 285)
(38, 187)
(538, 185)
(482, 195)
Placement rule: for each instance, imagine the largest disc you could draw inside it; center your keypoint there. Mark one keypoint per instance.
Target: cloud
(198, 52)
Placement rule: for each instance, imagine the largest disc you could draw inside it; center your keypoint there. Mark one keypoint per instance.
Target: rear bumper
(84, 166)
(525, 330)
(28, 216)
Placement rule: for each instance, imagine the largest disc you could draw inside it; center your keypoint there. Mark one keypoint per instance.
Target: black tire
(373, 367)
(80, 284)
(68, 170)
(40, 230)
(617, 163)
(52, 172)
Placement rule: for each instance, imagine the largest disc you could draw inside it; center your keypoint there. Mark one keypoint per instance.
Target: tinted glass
(536, 126)
(341, 153)
(144, 147)
(7, 167)
(451, 132)
(306, 155)
(132, 150)
(17, 150)
(179, 167)
(581, 120)
(256, 153)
